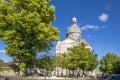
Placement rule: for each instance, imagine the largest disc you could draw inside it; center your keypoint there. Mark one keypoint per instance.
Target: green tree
(62, 60)
(49, 64)
(78, 57)
(117, 66)
(83, 58)
(26, 27)
(107, 63)
(65, 61)
(1, 61)
(46, 63)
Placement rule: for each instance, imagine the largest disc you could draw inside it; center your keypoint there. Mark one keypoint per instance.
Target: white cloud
(92, 27)
(3, 51)
(103, 17)
(88, 26)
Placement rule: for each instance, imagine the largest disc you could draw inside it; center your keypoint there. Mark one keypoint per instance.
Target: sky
(99, 21)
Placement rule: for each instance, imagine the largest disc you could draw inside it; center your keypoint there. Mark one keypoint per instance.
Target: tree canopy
(83, 58)
(1, 61)
(78, 56)
(109, 62)
(26, 27)
(46, 63)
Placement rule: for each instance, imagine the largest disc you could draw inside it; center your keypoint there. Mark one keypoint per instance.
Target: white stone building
(73, 38)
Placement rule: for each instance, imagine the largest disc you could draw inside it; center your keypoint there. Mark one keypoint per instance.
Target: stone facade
(73, 38)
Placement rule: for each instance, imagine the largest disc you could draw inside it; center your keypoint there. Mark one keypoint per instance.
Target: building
(73, 38)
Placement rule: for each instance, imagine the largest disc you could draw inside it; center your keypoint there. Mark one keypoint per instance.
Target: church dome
(74, 31)
(74, 28)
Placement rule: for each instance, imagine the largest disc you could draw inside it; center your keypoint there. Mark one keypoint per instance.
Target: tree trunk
(73, 73)
(83, 73)
(66, 72)
(45, 75)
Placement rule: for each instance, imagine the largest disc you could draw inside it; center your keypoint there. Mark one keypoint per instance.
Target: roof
(74, 28)
(5, 64)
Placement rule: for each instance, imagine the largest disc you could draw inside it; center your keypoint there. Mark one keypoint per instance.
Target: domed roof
(74, 28)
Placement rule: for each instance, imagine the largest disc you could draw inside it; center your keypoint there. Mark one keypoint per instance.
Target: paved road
(43, 78)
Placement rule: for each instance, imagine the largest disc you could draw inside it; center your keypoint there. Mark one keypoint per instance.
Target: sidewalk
(61, 78)
(43, 78)
(51, 78)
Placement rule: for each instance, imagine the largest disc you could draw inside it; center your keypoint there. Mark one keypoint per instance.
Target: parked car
(110, 77)
(115, 77)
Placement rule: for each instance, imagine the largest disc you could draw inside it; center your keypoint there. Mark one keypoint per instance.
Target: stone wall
(9, 73)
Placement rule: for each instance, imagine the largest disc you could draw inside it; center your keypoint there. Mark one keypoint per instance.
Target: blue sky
(99, 21)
